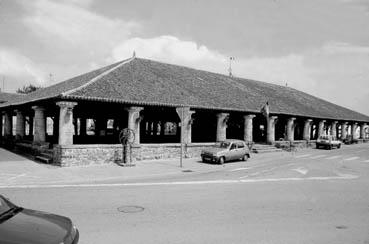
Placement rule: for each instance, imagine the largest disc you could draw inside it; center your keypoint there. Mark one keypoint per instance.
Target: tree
(27, 89)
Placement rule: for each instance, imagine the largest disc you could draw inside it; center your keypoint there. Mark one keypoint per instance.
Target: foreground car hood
(34, 227)
(215, 150)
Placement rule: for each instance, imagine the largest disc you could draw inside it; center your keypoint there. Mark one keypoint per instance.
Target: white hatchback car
(328, 141)
(227, 150)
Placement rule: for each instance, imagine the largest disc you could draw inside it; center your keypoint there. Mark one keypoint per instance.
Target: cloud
(289, 68)
(15, 65)
(342, 47)
(71, 22)
(169, 49)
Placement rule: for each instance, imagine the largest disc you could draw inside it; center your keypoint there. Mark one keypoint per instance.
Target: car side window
(240, 145)
(233, 146)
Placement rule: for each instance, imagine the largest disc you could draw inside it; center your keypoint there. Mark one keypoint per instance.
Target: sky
(317, 46)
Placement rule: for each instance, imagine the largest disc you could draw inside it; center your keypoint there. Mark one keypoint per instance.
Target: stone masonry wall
(78, 155)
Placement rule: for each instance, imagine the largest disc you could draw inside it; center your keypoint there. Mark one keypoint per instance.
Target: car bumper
(209, 158)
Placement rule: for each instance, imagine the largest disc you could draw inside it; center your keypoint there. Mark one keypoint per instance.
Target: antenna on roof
(134, 54)
(230, 66)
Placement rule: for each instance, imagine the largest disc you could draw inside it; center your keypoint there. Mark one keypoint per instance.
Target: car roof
(233, 140)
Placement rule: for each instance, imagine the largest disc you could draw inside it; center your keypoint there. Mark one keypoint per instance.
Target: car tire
(329, 147)
(203, 159)
(221, 160)
(339, 146)
(245, 157)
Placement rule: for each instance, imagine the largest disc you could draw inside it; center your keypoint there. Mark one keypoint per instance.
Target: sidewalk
(16, 170)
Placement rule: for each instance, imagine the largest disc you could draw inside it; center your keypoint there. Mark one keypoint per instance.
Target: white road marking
(239, 169)
(350, 159)
(16, 176)
(318, 156)
(334, 157)
(341, 177)
(302, 171)
(303, 156)
(366, 161)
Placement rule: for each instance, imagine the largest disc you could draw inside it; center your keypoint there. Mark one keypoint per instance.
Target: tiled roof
(9, 97)
(146, 82)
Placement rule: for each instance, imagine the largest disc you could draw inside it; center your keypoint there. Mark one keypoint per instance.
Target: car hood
(34, 227)
(215, 150)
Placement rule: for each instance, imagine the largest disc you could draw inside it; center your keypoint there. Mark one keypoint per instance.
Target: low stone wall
(297, 144)
(78, 155)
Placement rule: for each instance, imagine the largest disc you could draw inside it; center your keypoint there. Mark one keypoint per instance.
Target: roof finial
(230, 66)
(134, 54)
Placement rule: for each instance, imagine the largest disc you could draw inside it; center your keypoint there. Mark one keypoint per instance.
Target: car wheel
(330, 147)
(245, 157)
(203, 159)
(339, 146)
(221, 160)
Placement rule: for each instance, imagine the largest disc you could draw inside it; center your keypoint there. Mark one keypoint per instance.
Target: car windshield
(224, 144)
(5, 205)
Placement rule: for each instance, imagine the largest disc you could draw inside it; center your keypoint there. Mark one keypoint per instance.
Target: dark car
(24, 226)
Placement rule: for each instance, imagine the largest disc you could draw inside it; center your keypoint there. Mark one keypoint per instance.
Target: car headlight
(71, 235)
(74, 231)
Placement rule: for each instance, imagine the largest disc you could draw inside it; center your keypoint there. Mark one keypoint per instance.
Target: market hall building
(78, 121)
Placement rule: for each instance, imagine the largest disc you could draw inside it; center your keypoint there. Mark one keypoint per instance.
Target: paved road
(313, 196)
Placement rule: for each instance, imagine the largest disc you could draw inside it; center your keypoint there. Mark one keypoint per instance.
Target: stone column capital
(38, 108)
(272, 118)
(292, 119)
(133, 109)
(222, 115)
(18, 111)
(334, 122)
(66, 104)
(308, 121)
(354, 123)
(249, 116)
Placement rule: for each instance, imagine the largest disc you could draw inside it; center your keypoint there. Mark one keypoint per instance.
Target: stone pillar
(271, 129)
(334, 128)
(362, 131)
(307, 128)
(186, 123)
(321, 128)
(222, 119)
(353, 130)
(40, 124)
(248, 129)
(343, 130)
(66, 127)
(8, 124)
(134, 122)
(20, 126)
(290, 129)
